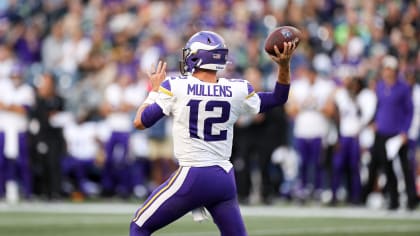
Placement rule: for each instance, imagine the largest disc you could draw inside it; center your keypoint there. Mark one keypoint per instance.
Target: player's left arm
(280, 94)
(150, 112)
(21, 108)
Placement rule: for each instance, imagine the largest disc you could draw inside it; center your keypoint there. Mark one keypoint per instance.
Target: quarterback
(204, 109)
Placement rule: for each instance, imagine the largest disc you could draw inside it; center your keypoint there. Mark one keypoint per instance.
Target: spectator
(6, 61)
(75, 51)
(52, 47)
(28, 46)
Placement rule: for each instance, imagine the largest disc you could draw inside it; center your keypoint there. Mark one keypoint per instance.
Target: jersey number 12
(208, 122)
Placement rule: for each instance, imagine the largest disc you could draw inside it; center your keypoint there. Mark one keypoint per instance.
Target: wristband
(151, 98)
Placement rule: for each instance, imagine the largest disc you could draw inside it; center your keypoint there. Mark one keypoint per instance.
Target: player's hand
(404, 137)
(157, 75)
(284, 57)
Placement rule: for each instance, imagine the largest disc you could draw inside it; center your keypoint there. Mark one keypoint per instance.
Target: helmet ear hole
(194, 59)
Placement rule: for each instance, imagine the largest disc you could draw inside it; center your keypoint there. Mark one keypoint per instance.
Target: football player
(118, 103)
(353, 105)
(311, 127)
(20, 100)
(204, 109)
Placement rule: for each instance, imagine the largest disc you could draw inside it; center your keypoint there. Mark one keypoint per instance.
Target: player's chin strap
(199, 214)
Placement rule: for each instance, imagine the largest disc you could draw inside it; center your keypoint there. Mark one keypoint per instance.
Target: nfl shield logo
(286, 33)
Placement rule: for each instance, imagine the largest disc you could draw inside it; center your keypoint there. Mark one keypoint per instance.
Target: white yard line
(252, 211)
(327, 212)
(336, 230)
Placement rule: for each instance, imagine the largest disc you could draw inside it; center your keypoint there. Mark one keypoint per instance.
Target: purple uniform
(202, 154)
(310, 127)
(353, 117)
(14, 149)
(203, 118)
(116, 178)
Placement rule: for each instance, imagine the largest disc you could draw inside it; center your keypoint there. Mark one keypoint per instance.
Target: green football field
(113, 220)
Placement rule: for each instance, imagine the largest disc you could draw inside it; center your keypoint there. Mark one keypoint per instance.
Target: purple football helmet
(205, 50)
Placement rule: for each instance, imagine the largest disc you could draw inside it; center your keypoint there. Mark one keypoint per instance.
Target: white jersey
(13, 123)
(204, 115)
(367, 102)
(6, 67)
(116, 95)
(310, 98)
(81, 140)
(350, 113)
(22, 95)
(6, 90)
(355, 113)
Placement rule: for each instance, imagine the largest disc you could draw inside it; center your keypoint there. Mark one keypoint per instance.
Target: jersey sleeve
(166, 98)
(252, 101)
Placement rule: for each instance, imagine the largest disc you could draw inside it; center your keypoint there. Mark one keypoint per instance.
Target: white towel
(393, 145)
(367, 138)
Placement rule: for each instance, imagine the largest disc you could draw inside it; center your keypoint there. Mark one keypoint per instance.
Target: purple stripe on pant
(347, 160)
(310, 155)
(187, 189)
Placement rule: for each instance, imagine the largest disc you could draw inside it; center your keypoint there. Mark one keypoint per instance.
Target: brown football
(279, 36)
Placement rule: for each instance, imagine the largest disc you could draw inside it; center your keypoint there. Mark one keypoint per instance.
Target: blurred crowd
(72, 73)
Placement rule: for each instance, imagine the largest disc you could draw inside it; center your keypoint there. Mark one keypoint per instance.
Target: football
(279, 36)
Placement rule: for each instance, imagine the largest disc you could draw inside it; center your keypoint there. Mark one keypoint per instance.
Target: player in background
(204, 109)
(118, 102)
(6, 65)
(348, 104)
(307, 107)
(81, 136)
(414, 131)
(393, 118)
(21, 99)
(48, 142)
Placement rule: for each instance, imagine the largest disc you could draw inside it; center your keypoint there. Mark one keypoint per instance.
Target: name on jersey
(209, 90)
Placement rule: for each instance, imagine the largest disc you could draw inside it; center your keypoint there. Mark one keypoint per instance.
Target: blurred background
(72, 74)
